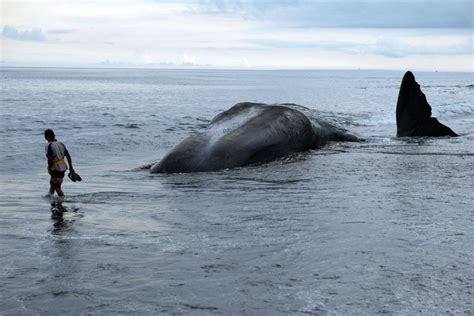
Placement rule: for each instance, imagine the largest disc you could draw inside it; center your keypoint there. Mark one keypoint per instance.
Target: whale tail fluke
(414, 112)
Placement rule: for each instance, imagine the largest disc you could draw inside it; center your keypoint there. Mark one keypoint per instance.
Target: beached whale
(414, 112)
(249, 133)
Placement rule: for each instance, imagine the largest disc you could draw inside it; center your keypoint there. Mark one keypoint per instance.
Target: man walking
(56, 152)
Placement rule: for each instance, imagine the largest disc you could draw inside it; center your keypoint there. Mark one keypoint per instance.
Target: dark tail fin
(414, 112)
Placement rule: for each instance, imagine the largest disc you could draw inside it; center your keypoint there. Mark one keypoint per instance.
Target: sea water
(381, 226)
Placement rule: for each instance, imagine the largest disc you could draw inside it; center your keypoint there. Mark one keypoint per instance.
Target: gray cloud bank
(348, 13)
(388, 47)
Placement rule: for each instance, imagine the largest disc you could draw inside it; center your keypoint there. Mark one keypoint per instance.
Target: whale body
(414, 112)
(249, 133)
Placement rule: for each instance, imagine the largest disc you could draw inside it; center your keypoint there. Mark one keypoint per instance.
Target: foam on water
(454, 109)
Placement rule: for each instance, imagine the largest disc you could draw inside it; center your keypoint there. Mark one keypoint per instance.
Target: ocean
(384, 226)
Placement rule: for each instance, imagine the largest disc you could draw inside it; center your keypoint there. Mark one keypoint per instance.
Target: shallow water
(383, 226)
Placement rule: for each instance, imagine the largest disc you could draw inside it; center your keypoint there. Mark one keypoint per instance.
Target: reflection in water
(63, 252)
(61, 226)
(57, 210)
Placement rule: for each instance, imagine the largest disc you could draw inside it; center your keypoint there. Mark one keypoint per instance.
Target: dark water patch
(328, 277)
(16, 236)
(111, 267)
(218, 267)
(203, 120)
(131, 125)
(188, 127)
(184, 124)
(99, 125)
(470, 86)
(13, 100)
(22, 129)
(200, 307)
(202, 126)
(144, 167)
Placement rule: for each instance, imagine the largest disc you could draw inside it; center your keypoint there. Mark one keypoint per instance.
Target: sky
(425, 35)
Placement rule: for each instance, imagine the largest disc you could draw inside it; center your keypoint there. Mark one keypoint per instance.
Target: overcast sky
(289, 34)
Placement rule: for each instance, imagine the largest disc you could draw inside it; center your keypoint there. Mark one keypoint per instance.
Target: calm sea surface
(383, 226)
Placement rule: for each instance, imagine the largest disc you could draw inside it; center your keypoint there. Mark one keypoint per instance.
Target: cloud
(61, 31)
(308, 44)
(389, 45)
(35, 34)
(348, 14)
(427, 45)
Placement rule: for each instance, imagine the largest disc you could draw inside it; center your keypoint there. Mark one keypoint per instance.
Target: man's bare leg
(59, 191)
(56, 186)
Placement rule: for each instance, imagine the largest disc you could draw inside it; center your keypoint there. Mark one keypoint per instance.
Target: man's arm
(69, 160)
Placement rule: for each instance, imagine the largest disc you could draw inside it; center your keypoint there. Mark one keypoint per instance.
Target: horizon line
(217, 68)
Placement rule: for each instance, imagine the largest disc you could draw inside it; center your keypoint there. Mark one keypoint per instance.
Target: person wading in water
(56, 152)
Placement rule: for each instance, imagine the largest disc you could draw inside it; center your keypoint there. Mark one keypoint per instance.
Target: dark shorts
(56, 177)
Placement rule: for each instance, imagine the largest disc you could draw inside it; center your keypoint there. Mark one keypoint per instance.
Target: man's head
(49, 135)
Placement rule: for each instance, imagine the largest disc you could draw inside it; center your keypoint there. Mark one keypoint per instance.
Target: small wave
(201, 307)
(437, 86)
(109, 196)
(98, 197)
(22, 129)
(271, 181)
(470, 86)
(98, 237)
(404, 153)
(203, 120)
(144, 167)
(13, 100)
(459, 108)
(132, 125)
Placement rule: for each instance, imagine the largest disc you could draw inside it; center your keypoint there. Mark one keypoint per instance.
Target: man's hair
(49, 135)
